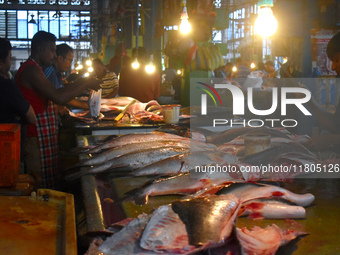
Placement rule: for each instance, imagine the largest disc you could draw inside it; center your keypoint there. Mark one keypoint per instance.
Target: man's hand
(92, 83)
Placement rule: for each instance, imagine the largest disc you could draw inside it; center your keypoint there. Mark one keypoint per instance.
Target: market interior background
(93, 28)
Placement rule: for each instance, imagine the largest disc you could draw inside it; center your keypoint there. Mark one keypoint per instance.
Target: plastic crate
(9, 154)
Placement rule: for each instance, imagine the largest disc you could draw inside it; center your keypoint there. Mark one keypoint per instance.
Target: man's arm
(30, 116)
(34, 77)
(78, 104)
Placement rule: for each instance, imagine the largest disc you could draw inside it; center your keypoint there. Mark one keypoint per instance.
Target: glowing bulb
(265, 24)
(79, 67)
(252, 65)
(185, 26)
(90, 69)
(179, 72)
(285, 60)
(135, 64)
(150, 68)
(234, 69)
(86, 74)
(88, 62)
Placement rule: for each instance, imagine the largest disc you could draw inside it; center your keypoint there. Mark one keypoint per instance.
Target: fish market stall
(133, 193)
(124, 115)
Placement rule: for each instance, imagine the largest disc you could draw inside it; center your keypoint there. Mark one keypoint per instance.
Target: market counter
(41, 224)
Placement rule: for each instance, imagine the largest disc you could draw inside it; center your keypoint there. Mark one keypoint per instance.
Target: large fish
(181, 184)
(264, 241)
(208, 219)
(126, 241)
(272, 209)
(251, 191)
(184, 163)
(146, 137)
(165, 232)
(131, 161)
(136, 147)
(267, 157)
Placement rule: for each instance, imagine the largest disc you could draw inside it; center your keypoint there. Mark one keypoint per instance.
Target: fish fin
(74, 176)
(135, 190)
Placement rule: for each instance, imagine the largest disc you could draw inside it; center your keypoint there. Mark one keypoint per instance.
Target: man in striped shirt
(109, 79)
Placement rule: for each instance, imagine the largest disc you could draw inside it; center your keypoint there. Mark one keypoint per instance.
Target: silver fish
(137, 147)
(271, 209)
(126, 240)
(251, 191)
(180, 184)
(137, 138)
(208, 219)
(131, 161)
(165, 232)
(184, 163)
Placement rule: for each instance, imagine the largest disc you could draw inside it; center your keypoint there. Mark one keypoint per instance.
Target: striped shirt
(109, 83)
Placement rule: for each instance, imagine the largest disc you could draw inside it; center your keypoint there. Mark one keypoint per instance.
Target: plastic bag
(254, 80)
(95, 102)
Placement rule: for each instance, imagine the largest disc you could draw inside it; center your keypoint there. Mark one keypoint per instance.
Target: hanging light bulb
(90, 69)
(265, 24)
(88, 62)
(135, 64)
(150, 68)
(185, 26)
(252, 65)
(234, 69)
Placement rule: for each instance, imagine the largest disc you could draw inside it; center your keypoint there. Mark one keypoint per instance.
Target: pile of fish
(209, 223)
(204, 220)
(159, 153)
(136, 113)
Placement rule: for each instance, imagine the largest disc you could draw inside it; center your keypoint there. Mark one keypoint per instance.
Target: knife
(124, 110)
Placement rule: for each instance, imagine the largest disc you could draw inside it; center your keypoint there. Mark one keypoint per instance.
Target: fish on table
(264, 241)
(272, 209)
(131, 161)
(126, 241)
(184, 163)
(165, 232)
(208, 220)
(181, 184)
(251, 191)
(137, 147)
(141, 137)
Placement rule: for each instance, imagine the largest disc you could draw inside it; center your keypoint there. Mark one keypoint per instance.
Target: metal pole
(137, 24)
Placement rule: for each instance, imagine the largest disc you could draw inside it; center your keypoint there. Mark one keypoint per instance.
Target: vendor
(109, 80)
(41, 147)
(328, 121)
(137, 83)
(55, 72)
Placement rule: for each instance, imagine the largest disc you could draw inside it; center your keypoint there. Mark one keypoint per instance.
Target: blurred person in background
(14, 108)
(242, 71)
(138, 83)
(119, 60)
(109, 80)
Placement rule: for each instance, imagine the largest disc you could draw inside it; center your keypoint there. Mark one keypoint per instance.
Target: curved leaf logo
(209, 93)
